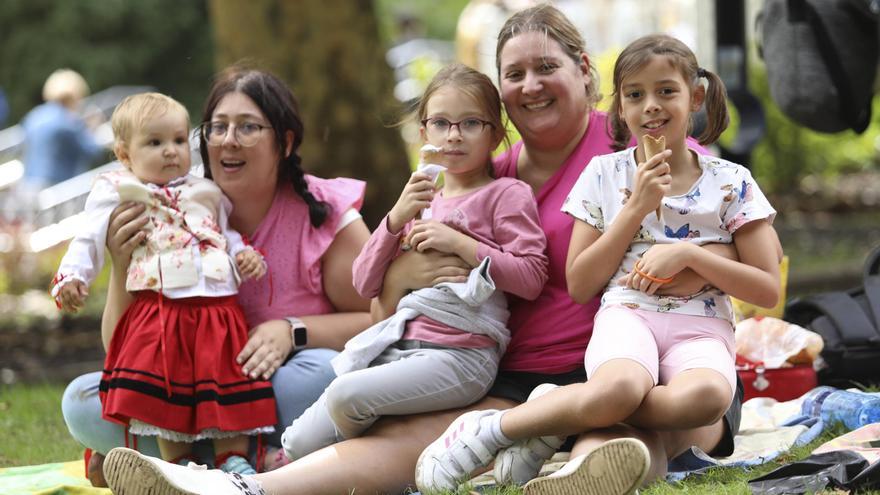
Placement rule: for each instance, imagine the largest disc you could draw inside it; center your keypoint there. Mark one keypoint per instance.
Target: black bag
(848, 322)
(841, 469)
(821, 58)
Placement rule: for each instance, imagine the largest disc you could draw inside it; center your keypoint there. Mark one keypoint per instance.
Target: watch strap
(298, 333)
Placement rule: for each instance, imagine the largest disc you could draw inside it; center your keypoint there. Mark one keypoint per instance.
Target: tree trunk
(329, 53)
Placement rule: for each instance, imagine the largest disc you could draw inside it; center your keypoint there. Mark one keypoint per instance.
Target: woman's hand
(125, 232)
(652, 182)
(267, 347)
(686, 283)
(415, 270)
(416, 196)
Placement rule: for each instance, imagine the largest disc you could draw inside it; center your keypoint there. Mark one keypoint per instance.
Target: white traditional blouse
(189, 250)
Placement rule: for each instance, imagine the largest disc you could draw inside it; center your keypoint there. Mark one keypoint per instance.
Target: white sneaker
(129, 472)
(523, 460)
(456, 456)
(617, 467)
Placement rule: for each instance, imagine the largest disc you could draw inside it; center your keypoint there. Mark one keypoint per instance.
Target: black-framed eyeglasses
(246, 133)
(440, 127)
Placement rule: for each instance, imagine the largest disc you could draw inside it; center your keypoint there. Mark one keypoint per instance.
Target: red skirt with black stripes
(171, 364)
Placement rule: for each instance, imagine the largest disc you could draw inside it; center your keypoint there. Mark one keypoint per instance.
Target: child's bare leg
(172, 451)
(232, 445)
(611, 395)
(230, 455)
(691, 399)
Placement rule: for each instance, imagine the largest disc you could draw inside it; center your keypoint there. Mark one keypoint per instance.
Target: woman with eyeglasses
(307, 228)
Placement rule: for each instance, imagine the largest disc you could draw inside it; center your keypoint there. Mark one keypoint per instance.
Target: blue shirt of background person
(58, 144)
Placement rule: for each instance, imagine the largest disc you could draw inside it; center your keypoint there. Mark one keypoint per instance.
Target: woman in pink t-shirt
(549, 90)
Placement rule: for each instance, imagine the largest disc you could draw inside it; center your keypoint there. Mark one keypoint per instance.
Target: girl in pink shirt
(442, 347)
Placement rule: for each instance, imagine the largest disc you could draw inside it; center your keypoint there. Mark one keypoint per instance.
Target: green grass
(31, 427)
(730, 481)
(719, 481)
(33, 432)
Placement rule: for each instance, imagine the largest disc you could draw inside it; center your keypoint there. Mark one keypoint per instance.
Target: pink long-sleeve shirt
(503, 218)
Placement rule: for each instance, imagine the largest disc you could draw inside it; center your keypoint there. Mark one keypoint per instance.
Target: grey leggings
(408, 378)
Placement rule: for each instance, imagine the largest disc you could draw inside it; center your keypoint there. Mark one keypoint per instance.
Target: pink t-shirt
(503, 218)
(293, 249)
(550, 334)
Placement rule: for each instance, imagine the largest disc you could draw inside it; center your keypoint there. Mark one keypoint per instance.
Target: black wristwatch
(298, 333)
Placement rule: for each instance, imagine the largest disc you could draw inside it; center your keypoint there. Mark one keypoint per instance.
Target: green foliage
(162, 43)
(720, 481)
(438, 19)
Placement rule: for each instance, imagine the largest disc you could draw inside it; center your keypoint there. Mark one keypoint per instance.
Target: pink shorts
(665, 344)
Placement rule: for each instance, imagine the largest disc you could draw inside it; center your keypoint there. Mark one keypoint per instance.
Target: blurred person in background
(58, 142)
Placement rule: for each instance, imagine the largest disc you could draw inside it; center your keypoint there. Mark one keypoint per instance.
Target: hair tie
(701, 72)
(652, 278)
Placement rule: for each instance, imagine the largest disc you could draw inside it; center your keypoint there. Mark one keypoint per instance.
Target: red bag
(781, 384)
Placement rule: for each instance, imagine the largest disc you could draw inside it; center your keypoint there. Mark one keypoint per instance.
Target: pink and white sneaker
(523, 460)
(455, 457)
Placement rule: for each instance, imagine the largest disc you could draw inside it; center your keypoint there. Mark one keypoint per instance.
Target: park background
(355, 66)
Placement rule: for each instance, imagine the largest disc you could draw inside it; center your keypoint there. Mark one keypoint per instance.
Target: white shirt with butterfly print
(723, 199)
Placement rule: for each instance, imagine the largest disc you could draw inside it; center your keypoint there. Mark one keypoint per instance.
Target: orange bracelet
(653, 278)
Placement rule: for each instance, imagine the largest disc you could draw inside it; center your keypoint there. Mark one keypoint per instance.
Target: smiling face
(464, 153)
(543, 88)
(656, 100)
(243, 171)
(158, 151)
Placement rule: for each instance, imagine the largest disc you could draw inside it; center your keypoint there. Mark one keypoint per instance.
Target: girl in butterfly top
(170, 369)
(442, 347)
(683, 346)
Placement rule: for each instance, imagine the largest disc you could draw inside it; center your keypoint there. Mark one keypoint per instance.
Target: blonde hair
(65, 86)
(552, 23)
(638, 54)
(135, 110)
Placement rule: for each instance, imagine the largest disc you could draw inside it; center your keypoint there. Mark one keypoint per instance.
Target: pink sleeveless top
(293, 251)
